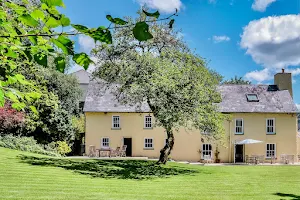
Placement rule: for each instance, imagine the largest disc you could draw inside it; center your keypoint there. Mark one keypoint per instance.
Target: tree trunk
(165, 152)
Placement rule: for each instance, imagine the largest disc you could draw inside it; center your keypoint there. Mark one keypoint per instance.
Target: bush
(26, 144)
(63, 148)
(11, 120)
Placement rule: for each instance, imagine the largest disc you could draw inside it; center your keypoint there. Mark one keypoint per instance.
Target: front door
(239, 153)
(128, 142)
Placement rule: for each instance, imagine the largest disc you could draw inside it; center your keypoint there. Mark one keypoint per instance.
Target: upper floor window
(116, 122)
(206, 150)
(239, 126)
(270, 126)
(270, 150)
(105, 142)
(148, 143)
(148, 121)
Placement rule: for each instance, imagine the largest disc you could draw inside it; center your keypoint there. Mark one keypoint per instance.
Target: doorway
(239, 153)
(128, 142)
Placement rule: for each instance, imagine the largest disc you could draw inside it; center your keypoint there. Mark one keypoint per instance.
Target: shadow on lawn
(122, 169)
(289, 196)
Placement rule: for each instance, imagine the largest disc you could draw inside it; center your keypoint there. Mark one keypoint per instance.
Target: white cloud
(165, 6)
(221, 38)
(298, 106)
(212, 1)
(86, 43)
(261, 5)
(294, 72)
(274, 43)
(259, 75)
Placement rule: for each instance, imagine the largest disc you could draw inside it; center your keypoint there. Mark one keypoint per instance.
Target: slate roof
(83, 78)
(101, 98)
(234, 100)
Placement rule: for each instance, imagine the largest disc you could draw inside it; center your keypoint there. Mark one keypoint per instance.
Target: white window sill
(115, 128)
(239, 133)
(148, 128)
(271, 133)
(148, 148)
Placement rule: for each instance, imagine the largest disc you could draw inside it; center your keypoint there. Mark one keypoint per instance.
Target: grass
(31, 176)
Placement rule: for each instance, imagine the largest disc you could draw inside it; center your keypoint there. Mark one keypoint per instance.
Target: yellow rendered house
(263, 124)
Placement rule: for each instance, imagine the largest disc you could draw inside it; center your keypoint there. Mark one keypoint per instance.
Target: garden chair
(290, 159)
(116, 152)
(123, 151)
(92, 151)
(207, 158)
(283, 159)
(260, 159)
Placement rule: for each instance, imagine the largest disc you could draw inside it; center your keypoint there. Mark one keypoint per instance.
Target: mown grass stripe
(22, 180)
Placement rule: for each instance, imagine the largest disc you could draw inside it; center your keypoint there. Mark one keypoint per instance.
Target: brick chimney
(284, 81)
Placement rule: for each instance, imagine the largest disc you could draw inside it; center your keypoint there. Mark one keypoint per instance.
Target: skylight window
(252, 98)
(273, 88)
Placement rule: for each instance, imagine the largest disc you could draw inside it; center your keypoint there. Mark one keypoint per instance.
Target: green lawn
(30, 176)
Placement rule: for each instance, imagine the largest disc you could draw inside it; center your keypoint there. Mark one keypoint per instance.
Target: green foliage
(155, 14)
(28, 37)
(82, 59)
(60, 63)
(51, 3)
(26, 144)
(52, 118)
(63, 148)
(141, 31)
(237, 81)
(171, 23)
(116, 20)
(79, 126)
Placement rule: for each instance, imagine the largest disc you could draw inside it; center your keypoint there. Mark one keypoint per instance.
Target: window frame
(210, 152)
(148, 116)
(275, 149)
(112, 122)
(235, 126)
(274, 126)
(252, 94)
(102, 146)
(148, 138)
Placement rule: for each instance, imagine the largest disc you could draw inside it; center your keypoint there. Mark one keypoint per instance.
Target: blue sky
(249, 38)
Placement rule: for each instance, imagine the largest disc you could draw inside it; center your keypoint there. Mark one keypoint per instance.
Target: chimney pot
(282, 70)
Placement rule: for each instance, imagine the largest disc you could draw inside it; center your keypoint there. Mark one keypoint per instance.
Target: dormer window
(252, 98)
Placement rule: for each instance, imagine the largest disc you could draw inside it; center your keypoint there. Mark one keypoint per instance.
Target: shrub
(26, 144)
(11, 120)
(63, 148)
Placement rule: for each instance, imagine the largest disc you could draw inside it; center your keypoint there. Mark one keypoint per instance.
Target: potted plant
(217, 155)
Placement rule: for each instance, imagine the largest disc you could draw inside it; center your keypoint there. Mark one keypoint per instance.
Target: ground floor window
(206, 150)
(148, 143)
(105, 142)
(271, 150)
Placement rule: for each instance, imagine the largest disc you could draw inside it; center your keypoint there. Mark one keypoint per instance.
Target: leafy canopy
(165, 75)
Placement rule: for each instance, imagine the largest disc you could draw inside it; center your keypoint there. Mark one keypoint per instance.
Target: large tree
(164, 74)
(52, 120)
